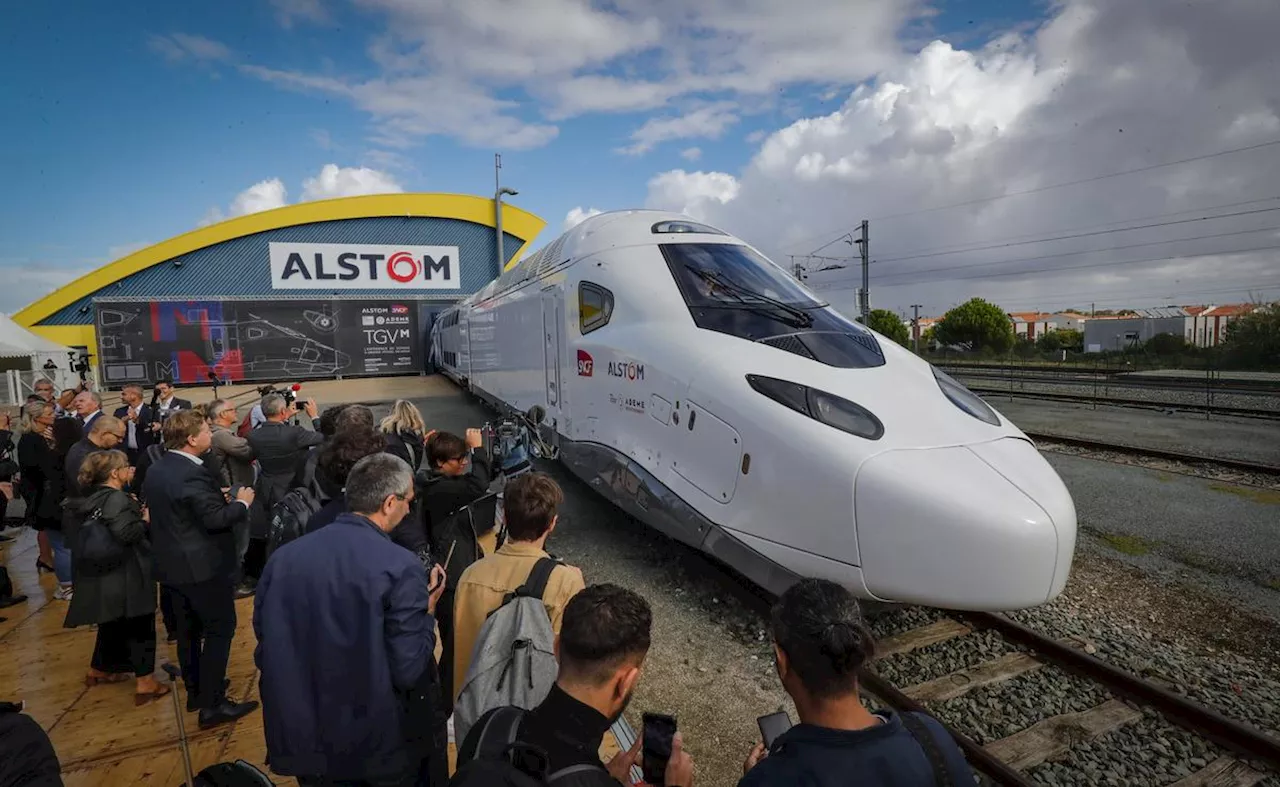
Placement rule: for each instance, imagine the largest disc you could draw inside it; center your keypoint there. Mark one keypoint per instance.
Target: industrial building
(333, 288)
(1200, 326)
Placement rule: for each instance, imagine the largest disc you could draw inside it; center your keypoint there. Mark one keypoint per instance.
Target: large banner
(250, 341)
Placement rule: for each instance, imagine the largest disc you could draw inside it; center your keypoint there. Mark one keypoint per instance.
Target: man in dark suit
(193, 543)
(137, 416)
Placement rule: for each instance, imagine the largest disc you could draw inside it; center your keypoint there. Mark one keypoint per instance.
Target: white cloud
(446, 68)
(177, 47)
(709, 121)
(693, 193)
(1099, 88)
(577, 215)
(28, 282)
(334, 181)
(330, 182)
(287, 11)
(322, 138)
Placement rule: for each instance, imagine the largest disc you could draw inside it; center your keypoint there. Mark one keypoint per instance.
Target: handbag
(96, 550)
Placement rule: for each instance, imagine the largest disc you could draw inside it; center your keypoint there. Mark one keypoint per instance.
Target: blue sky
(134, 122)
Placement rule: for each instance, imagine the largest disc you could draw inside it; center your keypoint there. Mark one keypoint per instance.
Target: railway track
(1193, 407)
(1261, 469)
(1084, 377)
(1236, 754)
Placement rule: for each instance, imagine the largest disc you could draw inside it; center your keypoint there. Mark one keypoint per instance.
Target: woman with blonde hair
(406, 433)
(37, 466)
(114, 586)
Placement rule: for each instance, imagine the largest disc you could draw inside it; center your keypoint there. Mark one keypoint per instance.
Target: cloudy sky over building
(1040, 154)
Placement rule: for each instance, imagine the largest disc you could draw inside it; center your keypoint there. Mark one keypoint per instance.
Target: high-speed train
(709, 394)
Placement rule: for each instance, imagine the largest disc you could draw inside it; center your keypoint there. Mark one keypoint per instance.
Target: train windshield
(728, 275)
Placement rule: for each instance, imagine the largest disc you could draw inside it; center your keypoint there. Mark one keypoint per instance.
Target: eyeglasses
(406, 497)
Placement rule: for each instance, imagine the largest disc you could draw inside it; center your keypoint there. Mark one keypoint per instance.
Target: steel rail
(1156, 453)
(1243, 739)
(1243, 412)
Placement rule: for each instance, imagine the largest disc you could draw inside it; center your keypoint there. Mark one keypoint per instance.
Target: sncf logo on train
(586, 364)
(627, 371)
(341, 266)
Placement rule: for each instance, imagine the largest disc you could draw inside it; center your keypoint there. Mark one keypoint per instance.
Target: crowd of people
(393, 604)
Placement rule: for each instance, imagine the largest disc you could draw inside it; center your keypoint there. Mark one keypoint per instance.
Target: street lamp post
(498, 191)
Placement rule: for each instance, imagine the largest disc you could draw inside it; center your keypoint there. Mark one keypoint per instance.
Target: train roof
(600, 232)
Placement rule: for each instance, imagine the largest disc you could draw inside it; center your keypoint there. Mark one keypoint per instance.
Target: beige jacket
(487, 581)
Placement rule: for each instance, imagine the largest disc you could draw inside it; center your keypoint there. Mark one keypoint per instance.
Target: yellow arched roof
(478, 210)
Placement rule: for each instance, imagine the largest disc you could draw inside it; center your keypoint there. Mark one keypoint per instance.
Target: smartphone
(659, 730)
(772, 726)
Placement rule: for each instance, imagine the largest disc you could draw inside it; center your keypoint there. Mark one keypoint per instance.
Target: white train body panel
(654, 409)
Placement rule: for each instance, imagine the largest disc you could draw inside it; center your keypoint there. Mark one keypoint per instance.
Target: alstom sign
(342, 266)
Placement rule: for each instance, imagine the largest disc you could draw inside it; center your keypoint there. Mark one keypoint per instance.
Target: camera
(290, 393)
(77, 362)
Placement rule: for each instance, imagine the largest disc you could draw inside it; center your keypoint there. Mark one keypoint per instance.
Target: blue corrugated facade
(240, 268)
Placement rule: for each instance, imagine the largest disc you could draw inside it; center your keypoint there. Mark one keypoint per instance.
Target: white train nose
(995, 530)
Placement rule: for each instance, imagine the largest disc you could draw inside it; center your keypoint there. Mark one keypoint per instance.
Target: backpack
(502, 760)
(246, 425)
(232, 774)
(514, 661)
(290, 515)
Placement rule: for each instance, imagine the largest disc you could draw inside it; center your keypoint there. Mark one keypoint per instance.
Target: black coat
(280, 447)
(71, 516)
(442, 495)
(191, 522)
(408, 446)
(43, 481)
(129, 590)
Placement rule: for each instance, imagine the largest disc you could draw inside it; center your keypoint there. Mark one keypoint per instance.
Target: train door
(552, 319)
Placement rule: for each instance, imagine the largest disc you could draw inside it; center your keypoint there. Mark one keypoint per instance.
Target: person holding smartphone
(820, 643)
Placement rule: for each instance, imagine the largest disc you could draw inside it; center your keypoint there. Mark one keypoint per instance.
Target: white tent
(18, 342)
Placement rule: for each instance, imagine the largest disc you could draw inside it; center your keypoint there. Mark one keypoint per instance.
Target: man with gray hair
(136, 415)
(87, 406)
(344, 619)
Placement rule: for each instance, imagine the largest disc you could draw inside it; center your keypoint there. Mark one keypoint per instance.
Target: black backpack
(289, 516)
(502, 761)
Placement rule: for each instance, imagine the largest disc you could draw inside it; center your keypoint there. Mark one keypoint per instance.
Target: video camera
(77, 362)
(290, 394)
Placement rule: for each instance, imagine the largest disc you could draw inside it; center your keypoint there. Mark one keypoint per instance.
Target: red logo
(399, 263)
(399, 309)
(586, 365)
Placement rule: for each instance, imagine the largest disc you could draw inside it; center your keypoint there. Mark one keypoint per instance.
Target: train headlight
(821, 406)
(965, 399)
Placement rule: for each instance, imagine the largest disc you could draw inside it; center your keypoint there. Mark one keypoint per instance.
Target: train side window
(595, 306)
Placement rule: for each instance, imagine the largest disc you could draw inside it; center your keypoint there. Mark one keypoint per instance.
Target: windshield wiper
(799, 318)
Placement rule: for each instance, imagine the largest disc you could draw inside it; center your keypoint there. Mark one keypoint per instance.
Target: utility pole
(498, 191)
(864, 245)
(915, 327)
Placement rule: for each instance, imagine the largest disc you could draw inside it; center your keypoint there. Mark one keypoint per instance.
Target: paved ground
(1223, 536)
(1234, 438)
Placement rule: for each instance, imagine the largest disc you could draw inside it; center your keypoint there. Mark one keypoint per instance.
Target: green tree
(886, 323)
(976, 325)
(1050, 342)
(1166, 344)
(1254, 339)
(928, 337)
(1070, 339)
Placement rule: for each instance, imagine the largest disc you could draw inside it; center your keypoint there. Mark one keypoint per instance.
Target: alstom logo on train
(341, 266)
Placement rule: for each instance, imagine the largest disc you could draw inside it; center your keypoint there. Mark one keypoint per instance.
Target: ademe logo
(586, 364)
(343, 266)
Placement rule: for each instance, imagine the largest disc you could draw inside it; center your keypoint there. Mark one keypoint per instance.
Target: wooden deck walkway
(101, 738)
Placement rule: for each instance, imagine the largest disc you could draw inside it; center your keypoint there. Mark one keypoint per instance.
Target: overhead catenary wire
(1078, 235)
(1077, 252)
(1191, 256)
(969, 246)
(1047, 187)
